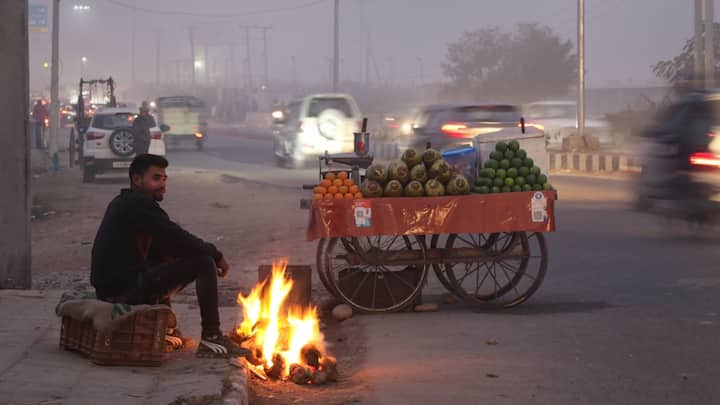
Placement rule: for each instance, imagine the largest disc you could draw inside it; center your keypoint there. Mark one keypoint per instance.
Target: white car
(559, 119)
(316, 124)
(108, 142)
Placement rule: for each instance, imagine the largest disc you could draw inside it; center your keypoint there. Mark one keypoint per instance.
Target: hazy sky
(408, 38)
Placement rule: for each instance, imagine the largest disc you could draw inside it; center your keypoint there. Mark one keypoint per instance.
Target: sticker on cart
(363, 214)
(538, 207)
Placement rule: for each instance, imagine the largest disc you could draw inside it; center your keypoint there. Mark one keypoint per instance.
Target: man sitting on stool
(141, 257)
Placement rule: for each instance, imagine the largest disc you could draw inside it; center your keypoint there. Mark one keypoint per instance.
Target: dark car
(449, 126)
(681, 152)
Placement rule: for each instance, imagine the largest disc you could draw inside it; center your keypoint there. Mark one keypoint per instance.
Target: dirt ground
(252, 224)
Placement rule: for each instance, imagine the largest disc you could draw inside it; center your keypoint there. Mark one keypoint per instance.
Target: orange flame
(275, 329)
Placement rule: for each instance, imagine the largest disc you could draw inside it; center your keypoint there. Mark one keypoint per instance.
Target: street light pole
(336, 53)
(581, 68)
(54, 84)
(709, 44)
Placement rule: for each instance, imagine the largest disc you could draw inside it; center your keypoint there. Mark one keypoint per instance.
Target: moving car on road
(315, 124)
(454, 125)
(559, 120)
(109, 142)
(186, 116)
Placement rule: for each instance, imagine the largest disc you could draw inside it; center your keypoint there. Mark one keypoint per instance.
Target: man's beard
(157, 194)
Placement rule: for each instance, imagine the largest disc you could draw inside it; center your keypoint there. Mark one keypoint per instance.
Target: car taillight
(705, 159)
(453, 129)
(92, 136)
(711, 134)
(156, 135)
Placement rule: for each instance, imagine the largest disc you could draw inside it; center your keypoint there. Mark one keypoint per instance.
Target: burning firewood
(300, 374)
(285, 342)
(275, 372)
(329, 365)
(311, 355)
(319, 377)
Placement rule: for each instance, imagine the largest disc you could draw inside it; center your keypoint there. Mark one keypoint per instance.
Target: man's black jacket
(116, 259)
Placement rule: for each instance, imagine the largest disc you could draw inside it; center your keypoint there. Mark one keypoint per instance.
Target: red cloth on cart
(475, 213)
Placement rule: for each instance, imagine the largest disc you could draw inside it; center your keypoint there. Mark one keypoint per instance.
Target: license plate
(121, 165)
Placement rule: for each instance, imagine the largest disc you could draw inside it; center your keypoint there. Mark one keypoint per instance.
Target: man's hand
(222, 267)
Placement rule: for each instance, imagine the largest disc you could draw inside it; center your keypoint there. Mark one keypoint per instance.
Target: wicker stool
(138, 340)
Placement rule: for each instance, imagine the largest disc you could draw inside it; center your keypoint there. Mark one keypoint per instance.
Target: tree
(530, 63)
(681, 68)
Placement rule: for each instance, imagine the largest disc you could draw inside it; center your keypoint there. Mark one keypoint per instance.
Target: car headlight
(406, 128)
(277, 114)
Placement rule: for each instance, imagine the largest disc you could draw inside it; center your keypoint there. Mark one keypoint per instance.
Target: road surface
(628, 312)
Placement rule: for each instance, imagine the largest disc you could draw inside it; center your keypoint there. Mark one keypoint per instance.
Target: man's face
(152, 183)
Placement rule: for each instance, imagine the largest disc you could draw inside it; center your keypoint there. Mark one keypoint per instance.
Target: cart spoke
(516, 271)
(360, 284)
(388, 244)
(466, 241)
(410, 286)
(389, 290)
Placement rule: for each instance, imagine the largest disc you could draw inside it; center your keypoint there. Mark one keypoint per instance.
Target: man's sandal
(219, 347)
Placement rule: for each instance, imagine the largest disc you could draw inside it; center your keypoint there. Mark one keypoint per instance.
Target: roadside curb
(237, 389)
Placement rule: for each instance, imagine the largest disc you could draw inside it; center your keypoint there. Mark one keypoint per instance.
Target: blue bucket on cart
(463, 160)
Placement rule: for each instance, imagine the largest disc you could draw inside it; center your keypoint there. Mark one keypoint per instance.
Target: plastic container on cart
(463, 159)
(533, 143)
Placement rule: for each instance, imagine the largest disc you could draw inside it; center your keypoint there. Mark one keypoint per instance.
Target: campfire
(284, 338)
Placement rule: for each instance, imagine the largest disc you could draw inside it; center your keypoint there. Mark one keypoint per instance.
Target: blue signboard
(38, 17)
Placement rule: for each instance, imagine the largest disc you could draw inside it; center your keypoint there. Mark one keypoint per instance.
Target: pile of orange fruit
(336, 185)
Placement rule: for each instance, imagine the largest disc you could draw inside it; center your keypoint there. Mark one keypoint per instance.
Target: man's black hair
(142, 163)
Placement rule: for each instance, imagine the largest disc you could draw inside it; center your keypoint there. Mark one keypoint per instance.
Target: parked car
(681, 154)
(186, 116)
(559, 120)
(313, 125)
(450, 126)
(108, 142)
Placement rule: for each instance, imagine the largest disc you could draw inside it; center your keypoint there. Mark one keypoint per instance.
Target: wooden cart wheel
(370, 285)
(511, 269)
(439, 268)
(341, 247)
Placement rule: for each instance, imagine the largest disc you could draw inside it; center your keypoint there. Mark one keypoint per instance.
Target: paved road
(628, 312)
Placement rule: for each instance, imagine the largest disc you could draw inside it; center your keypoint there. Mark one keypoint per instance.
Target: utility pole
(581, 68)
(294, 72)
(248, 52)
(206, 63)
(191, 32)
(15, 144)
(698, 45)
(157, 57)
(265, 56)
(367, 60)
(336, 52)
(132, 51)
(709, 44)
(55, 87)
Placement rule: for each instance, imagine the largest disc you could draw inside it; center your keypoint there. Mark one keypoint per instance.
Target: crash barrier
(557, 160)
(593, 162)
(258, 120)
(384, 151)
